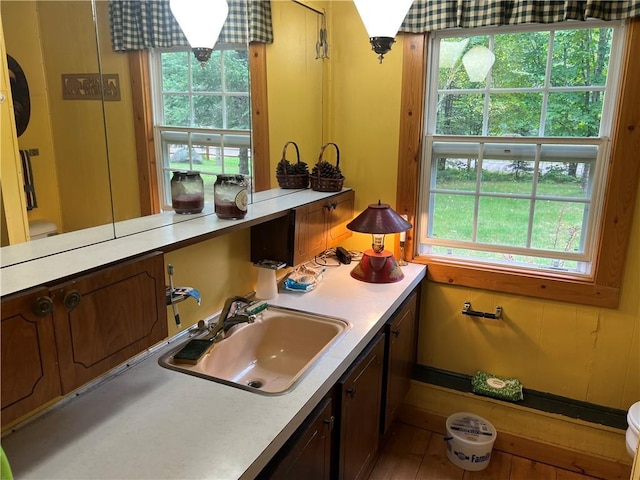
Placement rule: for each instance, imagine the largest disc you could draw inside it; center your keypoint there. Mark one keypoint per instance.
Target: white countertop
(60, 256)
(150, 422)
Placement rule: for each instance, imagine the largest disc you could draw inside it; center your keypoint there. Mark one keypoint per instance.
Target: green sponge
(484, 383)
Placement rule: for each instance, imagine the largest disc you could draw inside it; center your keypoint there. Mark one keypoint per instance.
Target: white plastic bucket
(633, 432)
(469, 440)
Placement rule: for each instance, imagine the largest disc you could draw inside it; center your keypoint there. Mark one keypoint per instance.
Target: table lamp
(377, 264)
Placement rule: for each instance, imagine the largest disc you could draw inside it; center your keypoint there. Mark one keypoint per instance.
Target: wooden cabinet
(322, 225)
(400, 357)
(55, 339)
(305, 232)
(308, 453)
(30, 376)
(366, 400)
(104, 318)
(360, 393)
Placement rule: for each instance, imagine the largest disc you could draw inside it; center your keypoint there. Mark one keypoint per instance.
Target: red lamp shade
(377, 264)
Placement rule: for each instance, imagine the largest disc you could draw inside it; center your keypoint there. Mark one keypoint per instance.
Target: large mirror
(82, 148)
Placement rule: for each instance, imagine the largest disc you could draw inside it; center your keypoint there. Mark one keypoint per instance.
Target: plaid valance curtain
(429, 15)
(144, 24)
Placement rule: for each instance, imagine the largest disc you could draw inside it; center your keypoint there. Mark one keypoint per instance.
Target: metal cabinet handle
(43, 306)
(331, 205)
(330, 422)
(351, 391)
(72, 299)
(396, 332)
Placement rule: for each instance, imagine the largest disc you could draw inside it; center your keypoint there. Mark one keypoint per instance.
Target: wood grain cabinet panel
(305, 232)
(105, 318)
(56, 339)
(30, 376)
(400, 357)
(308, 453)
(322, 225)
(361, 391)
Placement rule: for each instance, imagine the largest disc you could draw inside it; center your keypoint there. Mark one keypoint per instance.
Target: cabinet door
(307, 455)
(361, 391)
(340, 213)
(310, 230)
(30, 376)
(105, 318)
(401, 356)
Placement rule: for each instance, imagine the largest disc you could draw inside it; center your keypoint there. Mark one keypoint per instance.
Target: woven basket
(291, 181)
(324, 184)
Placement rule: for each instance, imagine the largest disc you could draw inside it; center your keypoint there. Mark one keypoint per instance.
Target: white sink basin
(269, 355)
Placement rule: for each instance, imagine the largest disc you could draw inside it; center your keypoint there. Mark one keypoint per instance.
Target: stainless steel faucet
(225, 322)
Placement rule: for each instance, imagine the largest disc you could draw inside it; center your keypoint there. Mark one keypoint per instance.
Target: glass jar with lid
(187, 192)
(230, 196)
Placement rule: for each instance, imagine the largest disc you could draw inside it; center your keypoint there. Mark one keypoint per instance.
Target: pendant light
(477, 63)
(382, 19)
(201, 22)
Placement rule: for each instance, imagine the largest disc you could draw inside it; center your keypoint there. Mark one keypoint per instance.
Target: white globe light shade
(200, 20)
(382, 18)
(477, 62)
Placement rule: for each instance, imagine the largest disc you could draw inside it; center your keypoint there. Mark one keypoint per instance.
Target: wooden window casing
(603, 289)
(143, 122)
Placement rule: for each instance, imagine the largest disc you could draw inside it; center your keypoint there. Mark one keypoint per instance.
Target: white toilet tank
(42, 229)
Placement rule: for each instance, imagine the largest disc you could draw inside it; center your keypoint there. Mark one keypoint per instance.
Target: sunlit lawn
(208, 168)
(556, 224)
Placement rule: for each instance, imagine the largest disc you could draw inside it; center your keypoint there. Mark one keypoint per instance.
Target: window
(202, 115)
(517, 133)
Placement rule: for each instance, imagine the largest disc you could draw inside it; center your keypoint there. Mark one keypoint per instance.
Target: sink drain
(256, 383)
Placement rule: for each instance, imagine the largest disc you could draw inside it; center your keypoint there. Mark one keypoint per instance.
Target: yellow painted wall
(218, 268)
(294, 85)
(79, 137)
(22, 41)
(585, 353)
(71, 173)
(121, 139)
(364, 103)
(14, 223)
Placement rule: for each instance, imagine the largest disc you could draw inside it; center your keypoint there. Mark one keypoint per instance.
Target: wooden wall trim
(603, 290)
(259, 116)
(143, 123)
(411, 131)
(624, 167)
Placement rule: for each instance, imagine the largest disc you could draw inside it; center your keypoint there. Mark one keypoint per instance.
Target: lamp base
(377, 268)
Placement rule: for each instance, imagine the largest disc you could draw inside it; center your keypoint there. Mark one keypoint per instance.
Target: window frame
(143, 119)
(621, 185)
(190, 136)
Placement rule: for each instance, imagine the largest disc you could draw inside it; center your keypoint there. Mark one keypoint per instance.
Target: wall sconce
(377, 264)
(201, 22)
(477, 63)
(382, 19)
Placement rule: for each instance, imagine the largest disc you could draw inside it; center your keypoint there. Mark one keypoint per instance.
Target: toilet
(42, 229)
(633, 432)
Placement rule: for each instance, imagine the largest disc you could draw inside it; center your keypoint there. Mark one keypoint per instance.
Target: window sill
(521, 282)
